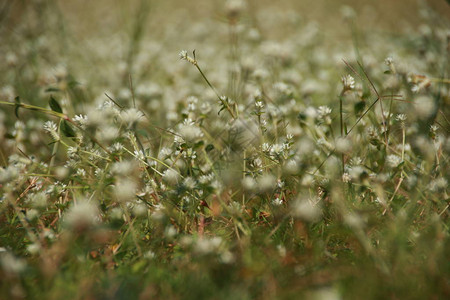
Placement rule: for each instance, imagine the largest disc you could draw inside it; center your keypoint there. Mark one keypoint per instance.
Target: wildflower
(8, 174)
(307, 180)
(38, 200)
(131, 116)
(82, 120)
(348, 82)
(205, 246)
(276, 150)
(265, 147)
(356, 172)
(171, 176)
(324, 114)
(205, 179)
(306, 210)
(259, 105)
(189, 183)
(343, 145)
(81, 215)
(116, 213)
(81, 172)
(124, 168)
(234, 8)
(52, 128)
(184, 56)
(139, 209)
(11, 264)
(107, 133)
(291, 166)
(401, 117)
(389, 60)
(266, 183)
(248, 183)
(34, 248)
(227, 257)
(277, 201)
(346, 177)
(125, 189)
(393, 160)
(189, 132)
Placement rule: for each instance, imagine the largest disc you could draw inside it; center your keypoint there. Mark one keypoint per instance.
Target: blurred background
(94, 41)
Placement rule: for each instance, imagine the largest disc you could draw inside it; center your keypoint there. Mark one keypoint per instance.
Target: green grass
(256, 167)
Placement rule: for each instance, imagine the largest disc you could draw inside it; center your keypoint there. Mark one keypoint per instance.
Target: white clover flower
(170, 232)
(389, 60)
(343, 145)
(353, 220)
(401, 117)
(189, 183)
(205, 245)
(38, 200)
(116, 147)
(81, 215)
(355, 172)
(184, 56)
(438, 184)
(124, 168)
(393, 160)
(107, 133)
(306, 210)
(277, 201)
(125, 189)
(205, 179)
(131, 116)
(346, 177)
(217, 186)
(116, 213)
(348, 82)
(227, 257)
(139, 209)
(249, 183)
(267, 182)
(82, 120)
(265, 147)
(139, 155)
(81, 172)
(171, 176)
(347, 12)
(259, 105)
(8, 174)
(34, 248)
(291, 166)
(276, 149)
(311, 112)
(234, 7)
(355, 161)
(282, 88)
(324, 114)
(189, 131)
(52, 128)
(324, 110)
(434, 128)
(11, 264)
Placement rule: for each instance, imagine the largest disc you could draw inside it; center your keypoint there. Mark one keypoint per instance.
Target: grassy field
(224, 149)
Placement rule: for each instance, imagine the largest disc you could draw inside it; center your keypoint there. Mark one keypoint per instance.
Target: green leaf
(9, 136)
(16, 108)
(54, 105)
(66, 129)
